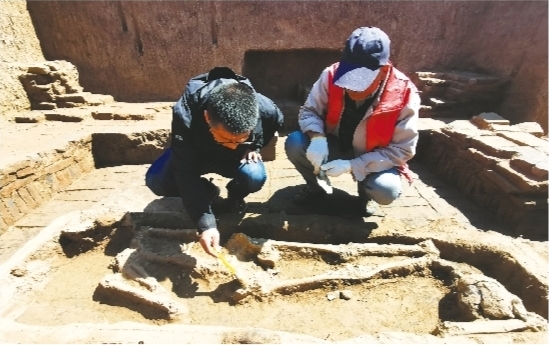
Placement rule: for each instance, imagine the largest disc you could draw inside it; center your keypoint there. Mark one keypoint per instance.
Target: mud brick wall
(502, 168)
(147, 50)
(29, 183)
(144, 147)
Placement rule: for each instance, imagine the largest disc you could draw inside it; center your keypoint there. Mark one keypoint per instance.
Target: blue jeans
(246, 177)
(384, 187)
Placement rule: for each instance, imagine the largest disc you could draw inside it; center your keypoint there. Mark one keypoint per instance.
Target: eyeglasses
(221, 138)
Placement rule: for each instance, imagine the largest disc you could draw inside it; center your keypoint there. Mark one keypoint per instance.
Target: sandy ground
(52, 291)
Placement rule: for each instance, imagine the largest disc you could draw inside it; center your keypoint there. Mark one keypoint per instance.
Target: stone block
(73, 97)
(127, 111)
(63, 104)
(10, 188)
(425, 111)
(5, 212)
(25, 172)
(528, 158)
(533, 128)
(33, 116)
(104, 112)
(38, 191)
(464, 133)
(494, 146)
(11, 211)
(21, 205)
(27, 198)
(485, 120)
(63, 178)
(160, 107)
(134, 114)
(459, 137)
(522, 182)
(45, 106)
(38, 69)
(484, 160)
(63, 117)
(3, 225)
(525, 139)
(58, 166)
(98, 99)
(6, 178)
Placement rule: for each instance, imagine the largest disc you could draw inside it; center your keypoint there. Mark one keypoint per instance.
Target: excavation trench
(418, 269)
(104, 265)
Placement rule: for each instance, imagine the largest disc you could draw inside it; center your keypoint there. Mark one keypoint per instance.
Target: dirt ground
(405, 304)
(115, 264)
(409, 302)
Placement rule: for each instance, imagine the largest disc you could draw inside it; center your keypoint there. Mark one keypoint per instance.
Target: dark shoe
(229, 205)
(236, 205)
(307, 198)
(368, 207)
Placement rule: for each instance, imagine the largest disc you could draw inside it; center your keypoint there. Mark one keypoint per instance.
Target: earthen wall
(147, 50)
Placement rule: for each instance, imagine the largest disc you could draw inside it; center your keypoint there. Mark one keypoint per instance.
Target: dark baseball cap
(366, 50)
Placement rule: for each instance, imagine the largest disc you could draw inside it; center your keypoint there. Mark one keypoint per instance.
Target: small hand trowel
(323, 181)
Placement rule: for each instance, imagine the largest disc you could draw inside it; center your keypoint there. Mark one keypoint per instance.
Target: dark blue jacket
(194, 148)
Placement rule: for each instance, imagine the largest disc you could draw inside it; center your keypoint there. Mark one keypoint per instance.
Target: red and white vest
(380, 125)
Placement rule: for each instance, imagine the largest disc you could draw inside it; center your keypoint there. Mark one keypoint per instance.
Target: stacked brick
(111, 111)
(501, 167)
(27, 184)
(55, 84)
(457, 94)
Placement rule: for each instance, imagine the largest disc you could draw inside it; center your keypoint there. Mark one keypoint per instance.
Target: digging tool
(323, 181)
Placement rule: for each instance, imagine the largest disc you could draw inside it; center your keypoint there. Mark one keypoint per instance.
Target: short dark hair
(234, 107)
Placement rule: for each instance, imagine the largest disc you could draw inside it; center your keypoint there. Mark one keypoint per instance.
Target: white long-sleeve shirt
(402, 146)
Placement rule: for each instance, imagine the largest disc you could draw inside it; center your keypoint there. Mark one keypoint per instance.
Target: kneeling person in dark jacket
(218, 126)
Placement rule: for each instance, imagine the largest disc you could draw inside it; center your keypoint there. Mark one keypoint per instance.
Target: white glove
(317, 152)
(337, 167)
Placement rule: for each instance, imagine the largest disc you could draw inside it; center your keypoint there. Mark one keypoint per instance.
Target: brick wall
(27, 184)
(501, 168)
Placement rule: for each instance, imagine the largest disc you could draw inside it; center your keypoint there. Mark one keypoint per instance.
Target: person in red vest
(359, 118)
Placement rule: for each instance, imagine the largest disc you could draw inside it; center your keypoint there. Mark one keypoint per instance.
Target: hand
(317, 152)
(209, 240)
(337, 167)
(251, 156)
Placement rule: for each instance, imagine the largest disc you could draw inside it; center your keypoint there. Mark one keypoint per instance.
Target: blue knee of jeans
(251, 176)
(296, 145)
(383, 187)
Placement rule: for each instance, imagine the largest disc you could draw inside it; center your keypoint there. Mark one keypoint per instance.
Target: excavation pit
(105, 259)
(101, 268)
